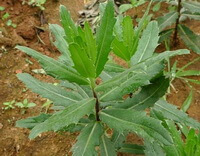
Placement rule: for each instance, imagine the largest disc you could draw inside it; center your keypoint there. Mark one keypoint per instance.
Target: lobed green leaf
(58, 95)
(147, 43)
(146, 127)
(128, 34)
(120, 49)
(167, 20)
(88, 140)
(137, 76)
(154, 149)
(195, 16)
(147, 96)
(105, 37)
(90, 42)
(193, 7)
(82, 63)
(191, 40)
(31, 122)
(171, 112)
(54, 67)
(68, 24)
(60, 42)
(59, 120)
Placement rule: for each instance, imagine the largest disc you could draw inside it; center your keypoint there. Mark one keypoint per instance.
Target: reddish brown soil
(14, 141)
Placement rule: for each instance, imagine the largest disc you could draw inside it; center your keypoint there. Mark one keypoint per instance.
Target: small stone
(1, 125)
(18, 71)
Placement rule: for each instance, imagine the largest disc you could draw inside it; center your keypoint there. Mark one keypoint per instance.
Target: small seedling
(38, 3)
(181, 73)
(9, 105)
(10, 23)
(184, 10)
(5, 16)
(24, 90)
(25, 104)
(39, 71)
(28, 61)
(47, 105)
(2, 8)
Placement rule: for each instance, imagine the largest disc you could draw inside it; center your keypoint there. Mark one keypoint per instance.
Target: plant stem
(177, 23)
(97, 108)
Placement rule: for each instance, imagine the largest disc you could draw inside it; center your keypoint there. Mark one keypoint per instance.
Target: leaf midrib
(100, 51)
(55, 93)
(89, 138)
(146, 44)
(166, 21)
(105, 34)
(104, 144)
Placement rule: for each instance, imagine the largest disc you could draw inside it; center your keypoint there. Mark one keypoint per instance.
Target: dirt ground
(32, 31)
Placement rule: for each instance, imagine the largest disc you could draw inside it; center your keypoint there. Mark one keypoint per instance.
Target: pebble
(1, 125)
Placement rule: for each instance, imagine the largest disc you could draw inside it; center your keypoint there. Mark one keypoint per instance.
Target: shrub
(101, 112)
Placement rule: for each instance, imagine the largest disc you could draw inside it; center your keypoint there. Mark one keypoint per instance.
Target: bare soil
(32, 31)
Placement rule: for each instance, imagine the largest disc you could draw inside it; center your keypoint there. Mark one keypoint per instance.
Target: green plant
(5, 16)
(9, 21)
(181, 73)
(9, 105)
(185, 9)
(190, 146)
(187, 141)
(156, 7)
(93, 109)
(25, 104)
(134, 3)
(47, 105)
(38, 3)
(188, 101)
(2, 8)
